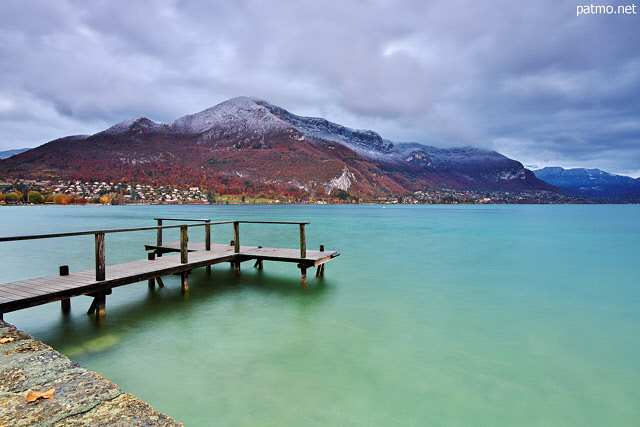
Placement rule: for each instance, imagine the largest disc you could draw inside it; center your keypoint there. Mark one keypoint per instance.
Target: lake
(432, 315)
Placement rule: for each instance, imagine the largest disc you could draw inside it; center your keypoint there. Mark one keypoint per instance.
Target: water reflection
(78, 335)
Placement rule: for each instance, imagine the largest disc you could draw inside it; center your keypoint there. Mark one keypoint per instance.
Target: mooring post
(303, 242)
(185, 281)
(100, 262)
(207, 235)
(184, 254)
(152, 282)
(232, 263)
(236, 237)
(101, 305)
(159, 236)
(320, 269)
(65, 303)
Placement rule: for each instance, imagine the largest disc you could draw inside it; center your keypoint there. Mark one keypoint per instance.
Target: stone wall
(81, 397)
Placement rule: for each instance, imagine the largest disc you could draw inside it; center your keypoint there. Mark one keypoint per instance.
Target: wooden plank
(52, 282)
(4, 297)
(20, 294)
(41, 284)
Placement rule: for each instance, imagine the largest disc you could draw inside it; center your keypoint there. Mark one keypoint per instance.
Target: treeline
(37, 198)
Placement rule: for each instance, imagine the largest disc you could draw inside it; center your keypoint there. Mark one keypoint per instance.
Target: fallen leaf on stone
(5, 340)
(32, 397)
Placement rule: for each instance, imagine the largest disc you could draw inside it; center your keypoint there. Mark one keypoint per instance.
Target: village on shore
(34, 192)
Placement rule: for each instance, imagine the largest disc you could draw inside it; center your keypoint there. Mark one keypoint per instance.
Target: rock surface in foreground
(80, 398)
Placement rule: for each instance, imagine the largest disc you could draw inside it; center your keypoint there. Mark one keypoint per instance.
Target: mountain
(589, 182)
(9, 153)
(249, 145)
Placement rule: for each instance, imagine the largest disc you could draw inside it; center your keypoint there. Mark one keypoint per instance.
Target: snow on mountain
(363, 142)
(241, 111)
(141, 124)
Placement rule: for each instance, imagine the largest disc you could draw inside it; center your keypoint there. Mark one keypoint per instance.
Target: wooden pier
(179, 257)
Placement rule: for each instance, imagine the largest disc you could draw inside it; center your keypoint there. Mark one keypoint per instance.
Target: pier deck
(172, 258)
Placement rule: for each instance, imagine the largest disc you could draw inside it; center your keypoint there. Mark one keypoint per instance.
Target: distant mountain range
(247, 144)
(590, 182)
(9, 153)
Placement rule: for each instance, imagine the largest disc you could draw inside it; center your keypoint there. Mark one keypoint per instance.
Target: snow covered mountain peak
(242, 111)
(139, 123)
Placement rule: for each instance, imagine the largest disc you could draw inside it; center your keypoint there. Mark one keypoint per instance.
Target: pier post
(152, 282)
(303, 275)
(303, 242)
(159, 236)
(100, 262)
(184, 281)
(184, 257)
(99, 304)
(207, 235)
(65, 303)
(236, 237)
(320, 270)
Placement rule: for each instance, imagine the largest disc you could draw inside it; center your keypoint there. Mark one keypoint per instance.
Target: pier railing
(99, 236)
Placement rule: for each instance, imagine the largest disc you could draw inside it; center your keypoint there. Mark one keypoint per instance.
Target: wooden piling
(99, 303)
(236, 237)
(320, 269)
(159, 236)
(184, 254)
(184, 281)
(152, 282)
(65, 305)
(303, 242)
(100, 257)
(207, 236)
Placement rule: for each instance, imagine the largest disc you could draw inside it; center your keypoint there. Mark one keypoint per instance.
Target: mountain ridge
(247, 143)
(594, 183)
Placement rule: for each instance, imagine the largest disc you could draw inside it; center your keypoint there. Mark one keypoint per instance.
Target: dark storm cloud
(530, 79)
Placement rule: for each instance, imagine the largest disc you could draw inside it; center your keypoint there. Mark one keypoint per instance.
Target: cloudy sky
(530, 79)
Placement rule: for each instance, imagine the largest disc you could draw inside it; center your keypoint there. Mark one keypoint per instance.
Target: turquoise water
(432, 315)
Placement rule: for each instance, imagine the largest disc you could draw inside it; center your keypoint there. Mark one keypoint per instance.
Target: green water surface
(432, 315)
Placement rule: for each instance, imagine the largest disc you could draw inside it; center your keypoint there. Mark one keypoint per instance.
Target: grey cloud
(556, 87)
